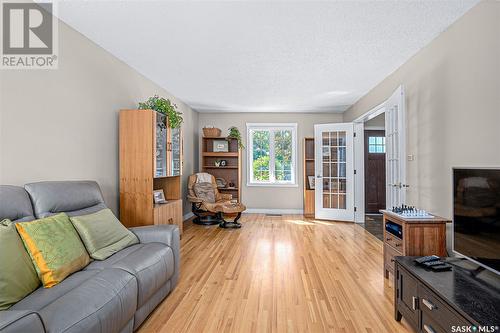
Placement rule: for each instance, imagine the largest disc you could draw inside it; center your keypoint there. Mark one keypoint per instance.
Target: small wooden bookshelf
(308, 171)
(231, 172)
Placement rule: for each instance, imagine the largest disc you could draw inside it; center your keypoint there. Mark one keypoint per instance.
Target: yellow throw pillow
(54, 247)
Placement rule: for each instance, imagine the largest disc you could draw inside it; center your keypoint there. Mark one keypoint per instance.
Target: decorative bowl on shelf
(221, 182)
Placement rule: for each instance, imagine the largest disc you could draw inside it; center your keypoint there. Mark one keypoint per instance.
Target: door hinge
(354, 171)
(354, 134)
(355, 209)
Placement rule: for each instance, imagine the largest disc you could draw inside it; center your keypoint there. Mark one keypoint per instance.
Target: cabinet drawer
(429, 325)
(436, 311)
(389, 254)
(394, 241)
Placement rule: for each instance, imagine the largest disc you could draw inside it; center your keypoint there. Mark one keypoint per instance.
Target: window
(376, 144)
(272, 154)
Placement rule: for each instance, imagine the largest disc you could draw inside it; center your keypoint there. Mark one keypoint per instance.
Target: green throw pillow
(17, 274)
(102, 233)
(54, 247)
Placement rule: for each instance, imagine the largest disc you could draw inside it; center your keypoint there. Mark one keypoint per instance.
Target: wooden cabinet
(417, 238)
(308, 171)
(407, 296)
(169, 213)
(150, 159)
(450, 301)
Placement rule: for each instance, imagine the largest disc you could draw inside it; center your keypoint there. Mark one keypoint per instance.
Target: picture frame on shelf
(312, 182)
(221, 146)
(159, 197)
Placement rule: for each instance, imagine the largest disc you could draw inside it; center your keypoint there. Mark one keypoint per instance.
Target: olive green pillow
(54, 247)
(102, 233)
(17, 275)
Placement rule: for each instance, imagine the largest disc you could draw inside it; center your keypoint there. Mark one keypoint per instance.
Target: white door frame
(346, 214)
(359, 157)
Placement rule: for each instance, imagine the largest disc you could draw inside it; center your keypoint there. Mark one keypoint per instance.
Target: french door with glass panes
(395, 149)
(334, 167)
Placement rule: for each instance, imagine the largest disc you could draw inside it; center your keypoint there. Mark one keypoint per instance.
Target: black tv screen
(476, 215)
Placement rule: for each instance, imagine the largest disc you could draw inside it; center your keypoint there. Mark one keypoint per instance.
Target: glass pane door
(334, 169)
(161, 146)
(334, 197)
(395, 149)
(176, 151)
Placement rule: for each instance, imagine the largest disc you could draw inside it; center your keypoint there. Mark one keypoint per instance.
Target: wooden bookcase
(231, 173)
(150, 159)
(308, 171)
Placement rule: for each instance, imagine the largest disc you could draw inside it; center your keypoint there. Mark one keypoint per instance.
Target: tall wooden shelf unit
(150, 159)
(308, 171)
(231, 173)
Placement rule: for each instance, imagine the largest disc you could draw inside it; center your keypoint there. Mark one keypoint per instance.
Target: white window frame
(271, 127)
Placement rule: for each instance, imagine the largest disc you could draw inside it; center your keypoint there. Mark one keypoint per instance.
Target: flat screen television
(476, 215)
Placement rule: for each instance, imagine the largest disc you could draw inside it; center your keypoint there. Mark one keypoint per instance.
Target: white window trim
(267, 126)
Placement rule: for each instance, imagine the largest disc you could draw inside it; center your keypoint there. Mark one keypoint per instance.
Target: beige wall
(378, 122)
(284, 198)
(453, 105)
(63, 124)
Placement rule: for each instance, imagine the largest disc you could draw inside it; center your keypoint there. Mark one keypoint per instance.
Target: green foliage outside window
(282, 155)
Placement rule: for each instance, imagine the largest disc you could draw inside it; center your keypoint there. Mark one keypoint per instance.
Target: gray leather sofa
(114, 295)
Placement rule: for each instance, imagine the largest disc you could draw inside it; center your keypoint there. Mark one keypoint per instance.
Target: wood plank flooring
(279, 274)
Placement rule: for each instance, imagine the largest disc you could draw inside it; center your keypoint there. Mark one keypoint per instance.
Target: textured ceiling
(250, 56)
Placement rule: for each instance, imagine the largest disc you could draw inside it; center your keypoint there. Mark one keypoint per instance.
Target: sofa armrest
(21, 321)
(167, 234)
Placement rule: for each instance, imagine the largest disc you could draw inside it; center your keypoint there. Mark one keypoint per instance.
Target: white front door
(395, 133)
(334, 167)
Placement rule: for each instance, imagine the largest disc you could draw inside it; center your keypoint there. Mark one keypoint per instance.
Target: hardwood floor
(279, 274)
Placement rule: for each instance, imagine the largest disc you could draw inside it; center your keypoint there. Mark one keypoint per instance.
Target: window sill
(271, 185)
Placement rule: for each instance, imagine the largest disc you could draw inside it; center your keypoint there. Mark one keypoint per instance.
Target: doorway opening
(375, 173)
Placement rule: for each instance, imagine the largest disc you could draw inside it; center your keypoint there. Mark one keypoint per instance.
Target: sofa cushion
(102, 233)
(72, 197)
(54, 247)
(88, 301)
(15, 204)
(152, 264)
(18, 277)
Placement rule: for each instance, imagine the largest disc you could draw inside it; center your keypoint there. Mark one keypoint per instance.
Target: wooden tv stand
(420, 237)
(451, 301)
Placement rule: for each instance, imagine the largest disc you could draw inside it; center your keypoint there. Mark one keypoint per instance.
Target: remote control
(441, 268)
(421, 260)
(433, 263)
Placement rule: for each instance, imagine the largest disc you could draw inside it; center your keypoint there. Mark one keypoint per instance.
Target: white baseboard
(273, 211)
(188, 216)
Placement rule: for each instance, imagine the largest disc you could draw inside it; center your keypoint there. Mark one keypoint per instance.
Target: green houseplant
(163, 106)
(234, 133)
